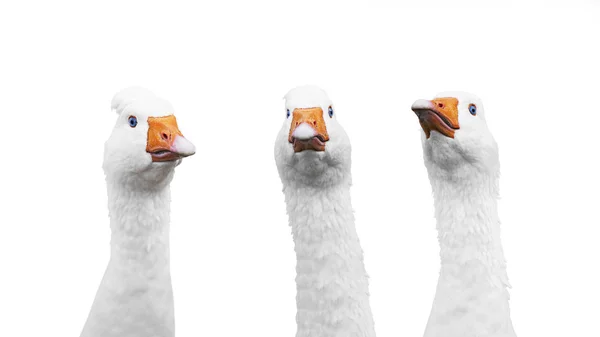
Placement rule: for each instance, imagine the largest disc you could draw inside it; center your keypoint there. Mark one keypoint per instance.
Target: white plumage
(332, 284)
(140, 100)
(471, 299)
(135, 297)
(307, 96)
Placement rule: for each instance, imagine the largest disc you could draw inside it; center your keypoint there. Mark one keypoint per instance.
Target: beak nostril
(315, 123)
(164, 136)
(441, 105)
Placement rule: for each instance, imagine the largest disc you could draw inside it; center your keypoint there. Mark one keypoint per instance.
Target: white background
(226, 68)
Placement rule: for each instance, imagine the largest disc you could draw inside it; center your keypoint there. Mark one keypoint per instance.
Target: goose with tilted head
(461, 157)
(135, 297)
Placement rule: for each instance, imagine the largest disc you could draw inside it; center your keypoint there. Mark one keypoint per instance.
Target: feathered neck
(471, 297)
(466, 211)
(332, 284)
(139, 222)
(135, 297)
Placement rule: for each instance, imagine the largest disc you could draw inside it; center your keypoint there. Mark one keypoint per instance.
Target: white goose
(461, 157)
(135, 297)
(312, 153)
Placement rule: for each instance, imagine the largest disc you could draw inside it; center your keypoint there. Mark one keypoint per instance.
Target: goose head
(311, 148)
(145, 144)
(455, 132)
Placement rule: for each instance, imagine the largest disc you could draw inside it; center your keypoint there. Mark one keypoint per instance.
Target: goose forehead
(307, 97)
(462, 96)
(149, 109)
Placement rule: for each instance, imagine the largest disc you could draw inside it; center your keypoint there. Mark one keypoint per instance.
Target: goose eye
(288, 113)
(330, 110)
(132, 121)
(473, 109)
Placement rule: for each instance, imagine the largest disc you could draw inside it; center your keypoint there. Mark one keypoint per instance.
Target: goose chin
(314, 144)
(165, 156)
(431, 120)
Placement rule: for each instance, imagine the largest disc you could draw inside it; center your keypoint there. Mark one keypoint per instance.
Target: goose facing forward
(461, 157)
(312, 152)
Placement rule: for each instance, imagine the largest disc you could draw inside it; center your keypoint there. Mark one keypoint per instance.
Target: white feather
(307, 96)
(471, 299)
(135, 297)
(332, 284)
(134, 100)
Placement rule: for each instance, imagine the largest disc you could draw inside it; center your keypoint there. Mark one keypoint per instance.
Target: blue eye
(330, 110)
(473, 109)
(132, 121)
(288, 113)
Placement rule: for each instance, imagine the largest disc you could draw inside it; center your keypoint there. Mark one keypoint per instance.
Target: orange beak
(165, 141)
(440, 114)
(308, 130)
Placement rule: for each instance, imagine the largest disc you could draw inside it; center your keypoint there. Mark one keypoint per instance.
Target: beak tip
(304, 132)
(421, 104)
(183, 147)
